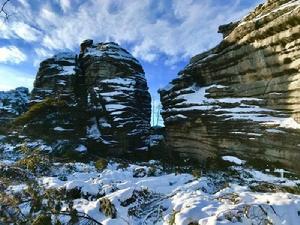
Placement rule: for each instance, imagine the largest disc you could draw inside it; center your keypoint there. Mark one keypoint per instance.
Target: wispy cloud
(19, 30)
(11, 54)
(65, 5)
(176, 29)
(162, 34)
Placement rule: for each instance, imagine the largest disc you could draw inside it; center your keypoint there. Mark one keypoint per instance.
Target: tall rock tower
(98, 99)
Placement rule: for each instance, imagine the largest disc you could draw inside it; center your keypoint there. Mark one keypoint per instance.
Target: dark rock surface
(98, 100)
(118, 101)
(241, 97)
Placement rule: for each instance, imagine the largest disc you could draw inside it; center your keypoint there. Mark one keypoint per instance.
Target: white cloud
(177, 29)
(26, 32)
(19, 30)
(65, 5)
(43, 53)
(190, 28)
(11, 54)
(5, 31)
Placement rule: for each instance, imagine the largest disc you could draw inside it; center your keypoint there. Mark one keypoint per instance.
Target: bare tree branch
(4, 14)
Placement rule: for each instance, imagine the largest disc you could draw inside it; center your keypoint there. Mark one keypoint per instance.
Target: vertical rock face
(55, 77)
(53, 113)
(118, 100)
(243, 96)
(99, 98)
(13, 103)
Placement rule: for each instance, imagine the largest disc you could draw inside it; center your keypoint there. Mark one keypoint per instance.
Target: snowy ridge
(110, 50)
(295, 4)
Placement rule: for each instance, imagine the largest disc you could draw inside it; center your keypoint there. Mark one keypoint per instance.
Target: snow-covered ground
(148, 193)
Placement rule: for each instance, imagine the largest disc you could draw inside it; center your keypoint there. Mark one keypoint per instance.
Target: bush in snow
(34, 160)
(101, 164)
(107, 208)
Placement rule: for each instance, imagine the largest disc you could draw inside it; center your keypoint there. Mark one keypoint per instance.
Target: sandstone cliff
(243, 96)
(98, 99)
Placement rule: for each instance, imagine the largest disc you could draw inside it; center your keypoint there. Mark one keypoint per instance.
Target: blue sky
(161, 34)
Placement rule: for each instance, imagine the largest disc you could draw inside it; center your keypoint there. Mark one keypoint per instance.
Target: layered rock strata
(243, 96)
(98, 99)
(118, 100)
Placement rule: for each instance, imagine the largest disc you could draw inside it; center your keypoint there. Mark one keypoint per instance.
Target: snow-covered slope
(148, 193)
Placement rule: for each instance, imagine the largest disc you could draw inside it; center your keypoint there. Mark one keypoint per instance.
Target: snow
(119, 81)
(60, 129)
(234, 160)
(281, 172)
(166, 88)
(16, 188)
(292, 3)
(199, 95)
(93, 132)
(198, 100)
(187, 198)
(67, 70)
(275, 131)
(81, 148)
(65, 56)
(176, 117)
(289, 123)
(61, 82)
(114, 107)
(163, 196)
(14, 100)
(112, 51)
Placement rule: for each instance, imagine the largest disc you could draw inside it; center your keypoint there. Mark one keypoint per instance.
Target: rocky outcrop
(243, 96)
(118, 101)
(55, 77)
(98, 99)
(13, 103)
(53, 105)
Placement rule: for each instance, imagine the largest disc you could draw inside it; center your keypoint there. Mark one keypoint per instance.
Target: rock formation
(243, 96)
(118, 101)
(13, 103)
(98, 99)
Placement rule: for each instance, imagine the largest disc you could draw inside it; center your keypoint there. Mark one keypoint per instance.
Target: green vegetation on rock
(39, 109)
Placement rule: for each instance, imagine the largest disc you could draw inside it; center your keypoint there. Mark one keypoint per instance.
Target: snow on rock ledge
(242, 96)
(98, 99)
